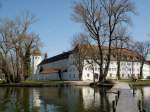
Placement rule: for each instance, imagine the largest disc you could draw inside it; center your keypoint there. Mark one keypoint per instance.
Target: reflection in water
(55, 99)
(143, 95)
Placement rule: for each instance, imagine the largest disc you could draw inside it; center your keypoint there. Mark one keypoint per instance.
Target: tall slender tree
(80, 52)
(143, 49)
(101, 18)
(122, 41)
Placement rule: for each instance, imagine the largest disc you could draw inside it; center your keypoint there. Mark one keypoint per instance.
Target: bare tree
(143, 49)
(16, 46)
(100, 18)
(122, 41)
(84, 54)
(80, 52)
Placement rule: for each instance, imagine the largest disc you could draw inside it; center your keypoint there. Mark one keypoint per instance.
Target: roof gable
(61, 56)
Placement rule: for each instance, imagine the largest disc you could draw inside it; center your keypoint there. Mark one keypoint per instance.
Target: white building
(36, 59)
(63, 66)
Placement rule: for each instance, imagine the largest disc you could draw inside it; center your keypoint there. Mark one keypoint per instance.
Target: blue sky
(55, 26)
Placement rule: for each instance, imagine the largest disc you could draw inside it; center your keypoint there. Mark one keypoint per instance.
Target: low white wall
(53, 76)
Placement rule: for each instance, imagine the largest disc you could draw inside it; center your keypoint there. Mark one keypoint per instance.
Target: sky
(55, 26)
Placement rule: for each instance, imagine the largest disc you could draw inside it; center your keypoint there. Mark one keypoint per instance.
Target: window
(95, 69)
(96, 75)
(128, 63)
(88, 75)
(128, 75)
(129, 69)
(110, 75)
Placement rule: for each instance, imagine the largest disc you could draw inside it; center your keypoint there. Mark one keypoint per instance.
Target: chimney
(45, 56)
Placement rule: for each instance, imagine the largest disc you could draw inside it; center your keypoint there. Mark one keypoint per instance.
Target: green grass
(1, 81)
(138, 82)
(61, 83)
(42, 82)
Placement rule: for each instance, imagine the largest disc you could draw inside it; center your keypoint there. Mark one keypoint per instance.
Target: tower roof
(36, 52)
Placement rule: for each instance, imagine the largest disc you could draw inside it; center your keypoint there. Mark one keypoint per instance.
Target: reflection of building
(63, 66)
(58, 98)
(68, 99)
(90, 97)
(36, 98)
(94, 97)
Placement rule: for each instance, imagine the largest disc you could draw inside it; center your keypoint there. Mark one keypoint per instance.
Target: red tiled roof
(124, 51)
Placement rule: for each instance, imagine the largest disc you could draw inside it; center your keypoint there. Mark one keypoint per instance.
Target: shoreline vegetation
(50, 83)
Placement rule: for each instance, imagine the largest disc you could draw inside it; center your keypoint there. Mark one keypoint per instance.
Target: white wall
(52, 76)
(146, 69)
(127, 69)
(35, 61)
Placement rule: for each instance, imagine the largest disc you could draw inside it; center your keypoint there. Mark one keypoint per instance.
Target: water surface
(143, 96)
(56, 99)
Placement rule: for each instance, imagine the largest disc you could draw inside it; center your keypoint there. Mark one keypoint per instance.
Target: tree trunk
(108, 56)
(101, 60)
(59, 74)
(80, 75)
(141, 70)
(118, 70)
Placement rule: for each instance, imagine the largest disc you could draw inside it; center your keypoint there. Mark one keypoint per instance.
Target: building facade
(63, 67)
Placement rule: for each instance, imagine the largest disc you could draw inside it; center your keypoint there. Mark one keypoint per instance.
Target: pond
(143, 97)
(56, 99)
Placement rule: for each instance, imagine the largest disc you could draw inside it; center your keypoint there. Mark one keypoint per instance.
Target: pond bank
(46, 84)
(33, 83)
(50, 83)
(138, 82)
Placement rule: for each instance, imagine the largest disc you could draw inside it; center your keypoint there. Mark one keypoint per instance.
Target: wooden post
(116, 99)
(113, 106)
(144, 110)
(139, 105)
(118, 94)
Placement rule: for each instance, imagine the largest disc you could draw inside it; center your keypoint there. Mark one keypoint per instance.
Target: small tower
(36, 58)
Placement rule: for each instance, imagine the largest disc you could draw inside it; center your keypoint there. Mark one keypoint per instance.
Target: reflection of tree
(142, 99)
(14, 100)
(25, 99)
(4, 98)
(104, 102)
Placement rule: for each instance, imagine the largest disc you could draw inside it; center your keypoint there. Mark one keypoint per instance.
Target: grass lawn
(35, 83)
(1, 81)
(50, 82)
(138, 82)
(47, 82)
